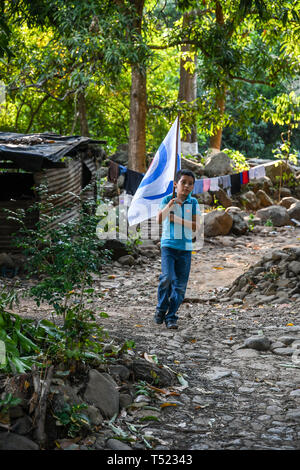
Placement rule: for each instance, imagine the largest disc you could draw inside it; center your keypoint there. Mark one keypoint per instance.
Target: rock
(249, 200)
(263, 183)
(12, 441)
(218, 164)
(121, 155)
(205, 198)
(277, 214)
(195, 167)
(287, 340)
(294, 266)
(117, 247)
(94, 415)
(127, 260)
(217, 222)
(259, 342)
(22, 425)
(294, 211)
(263, 199)
(288, 201)
(63, 394)
(102, 393)
(6, 260)
(239, 225)
(115, 444)
(223, 198)
(284, 351)
(274, 170)
(108, 190)
(294, 415)
(217, 373)
(121, 371)
(125, 400)
(151, 373)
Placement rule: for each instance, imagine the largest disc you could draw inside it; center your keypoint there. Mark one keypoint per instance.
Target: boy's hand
(173, 201)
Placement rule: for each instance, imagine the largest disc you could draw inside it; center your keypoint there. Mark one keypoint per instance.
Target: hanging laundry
(260, 171)
(235, 183)
(251, 173)
(132, 181)
(225, 181)
(198, 187)
(245, 176)
(206, 184)
(214, 186)
(113, 172)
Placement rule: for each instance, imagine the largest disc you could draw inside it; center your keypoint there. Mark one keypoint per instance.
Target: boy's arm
(163, 213)
(193, 224)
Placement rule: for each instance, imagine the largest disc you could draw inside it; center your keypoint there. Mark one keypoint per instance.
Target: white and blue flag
(158, 181)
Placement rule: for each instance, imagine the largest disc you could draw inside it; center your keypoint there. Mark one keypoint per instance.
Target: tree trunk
(138, 103)
(137, 124)
(215, 140)
(84, 127)
(188, 93)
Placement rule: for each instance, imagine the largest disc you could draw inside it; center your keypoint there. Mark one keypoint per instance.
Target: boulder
(239, 225)
(12, 441)
(263, 200)
(218, 164)
(263, 183)
(102, 393)
(275, 170)
(288, 201)
(205, 198)
(277, 214)
(223, 198)
(217, 222)
(195, 167)
(294, 211)
(258, 342)
(249, 200)
(117, 247)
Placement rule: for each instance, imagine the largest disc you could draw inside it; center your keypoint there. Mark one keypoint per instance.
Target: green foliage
(238, 159)
(20, 349)
(8, 401)
(73, 419)
(63, 256)
(269, 223)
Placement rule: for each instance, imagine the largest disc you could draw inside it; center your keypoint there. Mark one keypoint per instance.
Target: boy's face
(185, 185)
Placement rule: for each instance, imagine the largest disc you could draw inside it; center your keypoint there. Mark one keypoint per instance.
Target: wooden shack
(66, 164)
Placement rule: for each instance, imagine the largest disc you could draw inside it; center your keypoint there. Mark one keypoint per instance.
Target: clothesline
(232, 183)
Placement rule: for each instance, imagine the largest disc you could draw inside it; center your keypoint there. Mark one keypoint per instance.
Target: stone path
(228, 397)
(230, 393)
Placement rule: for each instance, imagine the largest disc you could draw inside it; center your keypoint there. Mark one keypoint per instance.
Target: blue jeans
(175, 267)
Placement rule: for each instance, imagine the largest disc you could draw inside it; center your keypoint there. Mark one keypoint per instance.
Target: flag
(158, 180)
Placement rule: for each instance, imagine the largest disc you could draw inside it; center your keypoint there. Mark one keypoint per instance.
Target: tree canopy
(111, 69)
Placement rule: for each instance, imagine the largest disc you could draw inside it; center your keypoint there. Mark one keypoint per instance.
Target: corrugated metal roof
(28, 151)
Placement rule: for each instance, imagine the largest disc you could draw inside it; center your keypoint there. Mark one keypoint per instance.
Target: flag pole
(176, 151)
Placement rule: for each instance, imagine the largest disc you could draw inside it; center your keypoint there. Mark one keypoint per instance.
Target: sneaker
(172, 326)
(159, 318)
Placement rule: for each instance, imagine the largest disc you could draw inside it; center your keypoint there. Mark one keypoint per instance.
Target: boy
(181, 219)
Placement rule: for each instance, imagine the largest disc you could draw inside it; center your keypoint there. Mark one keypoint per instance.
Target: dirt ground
(227, 397)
